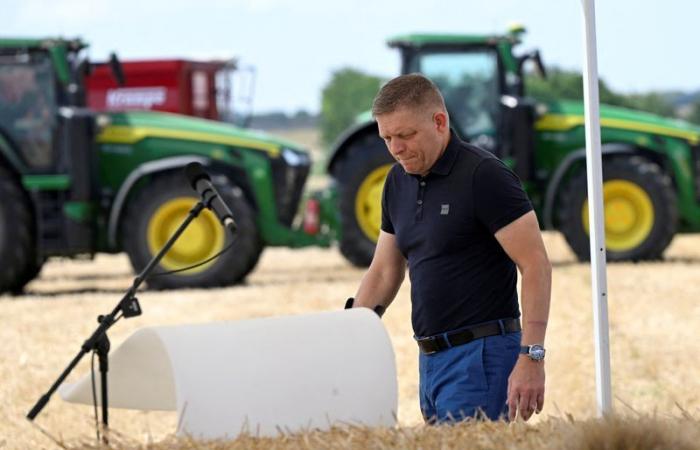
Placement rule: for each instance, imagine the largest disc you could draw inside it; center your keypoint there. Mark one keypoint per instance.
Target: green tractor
(651, 165)
(74, 182)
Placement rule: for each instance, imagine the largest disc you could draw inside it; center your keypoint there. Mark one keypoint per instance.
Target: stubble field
(654, 318)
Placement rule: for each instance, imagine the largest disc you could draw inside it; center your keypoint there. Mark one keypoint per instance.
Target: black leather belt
(434, 344)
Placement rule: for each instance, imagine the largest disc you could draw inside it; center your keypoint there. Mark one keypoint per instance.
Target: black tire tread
(20, 264)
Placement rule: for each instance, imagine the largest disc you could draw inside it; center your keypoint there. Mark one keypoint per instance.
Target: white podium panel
(262, 375)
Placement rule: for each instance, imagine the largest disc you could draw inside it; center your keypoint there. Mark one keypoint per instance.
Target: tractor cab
(28, 106)
(46, 141)
(481, 81)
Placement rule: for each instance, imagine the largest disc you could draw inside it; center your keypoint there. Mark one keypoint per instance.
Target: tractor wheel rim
(368, 202)
(629, 215)
(202, 239)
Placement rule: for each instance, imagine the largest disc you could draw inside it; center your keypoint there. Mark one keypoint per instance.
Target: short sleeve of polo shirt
(499, 197)
(386, 226)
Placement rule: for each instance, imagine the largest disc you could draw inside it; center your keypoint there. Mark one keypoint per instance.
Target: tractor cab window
(469, 81)
(27, 106)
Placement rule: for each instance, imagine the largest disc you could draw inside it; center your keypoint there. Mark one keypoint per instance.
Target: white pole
(595, 213)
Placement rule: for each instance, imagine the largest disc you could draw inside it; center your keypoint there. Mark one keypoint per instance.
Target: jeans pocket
(512, 340)
(499, 355)
(476, 369)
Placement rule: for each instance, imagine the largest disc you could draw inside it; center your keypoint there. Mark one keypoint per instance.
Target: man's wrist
(535, 352)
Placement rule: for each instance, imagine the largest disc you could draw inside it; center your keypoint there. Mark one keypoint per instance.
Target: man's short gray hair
(412, 91)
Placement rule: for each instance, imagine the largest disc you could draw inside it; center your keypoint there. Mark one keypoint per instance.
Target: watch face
(537, 352)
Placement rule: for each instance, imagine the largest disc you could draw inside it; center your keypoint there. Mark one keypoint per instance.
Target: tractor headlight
(295, 158)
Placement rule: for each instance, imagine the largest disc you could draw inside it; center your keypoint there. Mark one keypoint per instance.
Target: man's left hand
(526, 388)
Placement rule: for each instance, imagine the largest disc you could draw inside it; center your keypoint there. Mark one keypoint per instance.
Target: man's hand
(379, 309)
(526, 388)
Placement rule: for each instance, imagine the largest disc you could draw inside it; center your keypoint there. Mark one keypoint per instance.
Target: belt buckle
(468, 335)
(432, 339)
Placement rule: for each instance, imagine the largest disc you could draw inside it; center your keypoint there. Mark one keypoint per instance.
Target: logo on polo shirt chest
(444, 209)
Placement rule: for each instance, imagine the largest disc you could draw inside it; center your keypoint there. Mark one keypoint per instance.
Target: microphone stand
(129, 307)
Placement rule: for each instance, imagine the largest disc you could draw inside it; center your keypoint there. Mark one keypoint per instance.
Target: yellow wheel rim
(629, 215)
(368, 202)
(202, 239)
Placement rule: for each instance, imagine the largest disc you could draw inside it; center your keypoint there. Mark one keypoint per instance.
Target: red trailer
(195, 88)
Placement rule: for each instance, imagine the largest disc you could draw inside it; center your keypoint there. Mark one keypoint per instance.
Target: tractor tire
(157, 210)
(17, 238)
(641, 216)
(31, 271)
(361, 175)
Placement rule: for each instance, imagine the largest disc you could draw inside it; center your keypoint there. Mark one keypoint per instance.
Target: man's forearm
(536, 292)
(378, 288)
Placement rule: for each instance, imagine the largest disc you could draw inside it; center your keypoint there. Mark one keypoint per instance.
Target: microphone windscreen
(195, 172)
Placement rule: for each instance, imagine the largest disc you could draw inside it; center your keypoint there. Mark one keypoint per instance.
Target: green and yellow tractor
(651, 165)
(75, 182)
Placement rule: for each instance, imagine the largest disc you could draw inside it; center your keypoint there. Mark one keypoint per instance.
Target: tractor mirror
(537, 59)
(539, 65)
(117, 70)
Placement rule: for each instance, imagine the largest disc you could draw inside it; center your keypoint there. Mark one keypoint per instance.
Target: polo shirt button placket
(421, 192)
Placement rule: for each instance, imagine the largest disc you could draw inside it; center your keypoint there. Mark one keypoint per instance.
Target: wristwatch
(535, 352)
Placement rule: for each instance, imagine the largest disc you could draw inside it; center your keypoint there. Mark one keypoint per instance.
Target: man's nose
(396, 147)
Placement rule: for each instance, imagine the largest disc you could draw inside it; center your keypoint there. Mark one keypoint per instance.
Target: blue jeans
(468, 381)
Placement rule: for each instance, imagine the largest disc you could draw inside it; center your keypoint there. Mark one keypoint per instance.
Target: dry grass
(618, 433)
(654, 318)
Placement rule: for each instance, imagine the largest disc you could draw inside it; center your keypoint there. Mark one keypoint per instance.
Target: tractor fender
(564, 167)
(343, 142)
(141, 171)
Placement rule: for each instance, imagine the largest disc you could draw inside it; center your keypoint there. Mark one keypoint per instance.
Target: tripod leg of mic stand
(102, 353)
(105, 409)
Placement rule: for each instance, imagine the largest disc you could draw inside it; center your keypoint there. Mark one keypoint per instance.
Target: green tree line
(347, 94)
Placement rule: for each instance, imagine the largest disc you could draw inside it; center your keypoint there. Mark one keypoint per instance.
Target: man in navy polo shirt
(460, 220)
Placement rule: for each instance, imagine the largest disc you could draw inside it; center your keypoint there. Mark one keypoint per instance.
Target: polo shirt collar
(443, 166)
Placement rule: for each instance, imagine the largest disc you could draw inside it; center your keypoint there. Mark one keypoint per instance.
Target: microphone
(201, 182)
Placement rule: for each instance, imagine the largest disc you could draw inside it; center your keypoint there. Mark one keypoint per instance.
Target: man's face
(415, 138)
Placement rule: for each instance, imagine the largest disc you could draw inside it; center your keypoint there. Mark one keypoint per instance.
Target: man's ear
(440, 120)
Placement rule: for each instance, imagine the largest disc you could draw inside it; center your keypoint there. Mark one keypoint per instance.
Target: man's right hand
(379, 309)
(526, 388)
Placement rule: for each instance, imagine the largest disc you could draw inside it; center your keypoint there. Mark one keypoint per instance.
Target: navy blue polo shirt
(444, 225)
